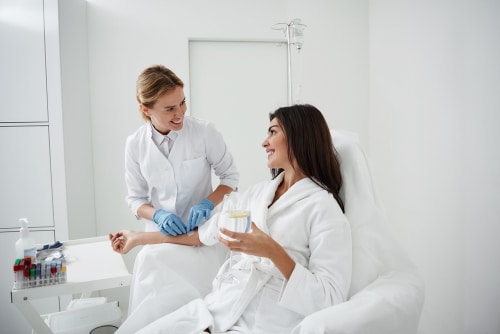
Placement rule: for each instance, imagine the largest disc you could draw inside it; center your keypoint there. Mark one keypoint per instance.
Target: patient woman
(295, 260)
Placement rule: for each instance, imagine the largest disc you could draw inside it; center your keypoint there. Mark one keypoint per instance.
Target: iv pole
(294, 36)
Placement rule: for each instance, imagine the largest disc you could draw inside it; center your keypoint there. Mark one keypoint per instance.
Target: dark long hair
(309, 141)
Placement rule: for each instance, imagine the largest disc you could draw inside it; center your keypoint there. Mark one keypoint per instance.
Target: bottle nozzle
(23, 222)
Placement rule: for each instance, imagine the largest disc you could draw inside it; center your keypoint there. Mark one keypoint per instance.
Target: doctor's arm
(146, 211)
(205, 207)
(125, 240)
(218, 194)
(222, 163)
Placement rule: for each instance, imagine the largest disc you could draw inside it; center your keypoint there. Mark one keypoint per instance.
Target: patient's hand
(123, 241)
(258, 243)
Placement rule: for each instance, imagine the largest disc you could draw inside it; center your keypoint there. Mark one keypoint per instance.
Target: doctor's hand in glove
(169, 223)
(198, 212)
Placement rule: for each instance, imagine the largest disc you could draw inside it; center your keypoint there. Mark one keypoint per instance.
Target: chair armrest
(391, 305)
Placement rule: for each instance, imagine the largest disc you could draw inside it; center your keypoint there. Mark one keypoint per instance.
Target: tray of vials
(30, 275)
(46, 268)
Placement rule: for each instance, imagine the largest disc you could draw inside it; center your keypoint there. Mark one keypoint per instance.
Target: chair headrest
(375, 251)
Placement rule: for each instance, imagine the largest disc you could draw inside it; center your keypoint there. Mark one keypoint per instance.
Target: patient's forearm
(125, 240)
(189, 239)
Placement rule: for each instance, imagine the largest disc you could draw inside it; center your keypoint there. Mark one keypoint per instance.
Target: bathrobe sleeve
(325, 279)
(209, 230)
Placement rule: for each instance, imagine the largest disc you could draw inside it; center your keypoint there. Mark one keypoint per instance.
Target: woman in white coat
(297, 257)
(168, 173)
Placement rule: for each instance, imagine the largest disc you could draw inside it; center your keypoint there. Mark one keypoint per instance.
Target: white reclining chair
(386, 295)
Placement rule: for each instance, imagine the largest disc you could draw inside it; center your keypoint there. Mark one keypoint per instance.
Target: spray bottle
(25, 246)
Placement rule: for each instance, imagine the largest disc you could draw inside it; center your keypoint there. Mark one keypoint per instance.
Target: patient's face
(276, 146)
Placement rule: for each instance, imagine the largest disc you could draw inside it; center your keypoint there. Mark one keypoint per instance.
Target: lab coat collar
(158, 137)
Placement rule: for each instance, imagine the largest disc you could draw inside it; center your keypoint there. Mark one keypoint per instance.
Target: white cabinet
(25, 176)
(38, 66)
(22, 56)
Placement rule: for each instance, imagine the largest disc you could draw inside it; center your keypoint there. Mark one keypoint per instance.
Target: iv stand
(289, 67)
(294, 36)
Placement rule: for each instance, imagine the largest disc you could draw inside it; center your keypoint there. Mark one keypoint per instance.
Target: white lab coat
(174, 184)
(184, 178)
(309, 224)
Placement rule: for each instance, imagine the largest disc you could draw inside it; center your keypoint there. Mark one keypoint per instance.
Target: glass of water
(234, 216)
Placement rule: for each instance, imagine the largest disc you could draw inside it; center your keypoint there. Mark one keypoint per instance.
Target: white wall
(237, 69)
(434, 131)
(334, 60)
(75, 99)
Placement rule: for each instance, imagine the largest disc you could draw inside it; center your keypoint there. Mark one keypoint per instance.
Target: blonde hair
(153, 83)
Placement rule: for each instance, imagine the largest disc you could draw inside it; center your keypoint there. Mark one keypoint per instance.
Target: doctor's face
(276, 146)
(168, 111)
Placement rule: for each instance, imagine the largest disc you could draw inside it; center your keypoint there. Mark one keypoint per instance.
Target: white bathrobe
(310, 225)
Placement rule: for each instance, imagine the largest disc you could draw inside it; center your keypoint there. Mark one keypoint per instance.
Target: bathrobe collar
(298, 191)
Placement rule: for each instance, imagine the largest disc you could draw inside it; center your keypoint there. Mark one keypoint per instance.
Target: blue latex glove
(169, 223)
(198, 212)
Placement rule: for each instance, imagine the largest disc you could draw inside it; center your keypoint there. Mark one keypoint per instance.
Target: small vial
(47, 273)
(26, 277)
(16, 273)
(21, 274)
(42, 273)
(33, 275)
(38, 274)
(63, 270)
(53, 272)
(58, 272)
